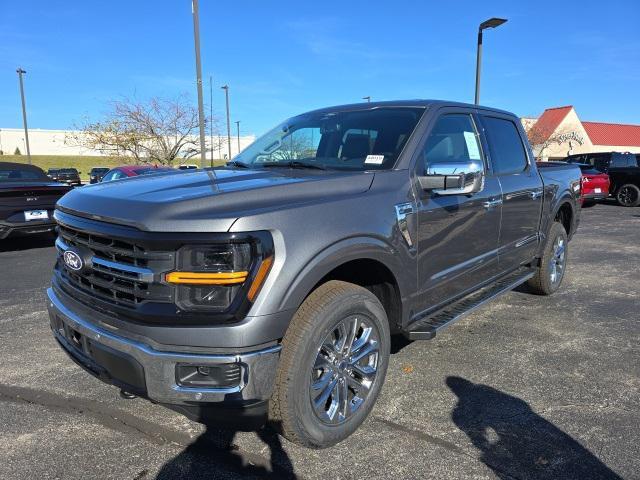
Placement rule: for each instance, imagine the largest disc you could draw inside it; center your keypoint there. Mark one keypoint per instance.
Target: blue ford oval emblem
(72, 260)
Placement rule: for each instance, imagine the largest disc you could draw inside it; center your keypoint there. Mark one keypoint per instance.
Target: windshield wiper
(294, 164)
(235, 163)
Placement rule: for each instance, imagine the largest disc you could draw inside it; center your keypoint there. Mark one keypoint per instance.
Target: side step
(426, 328)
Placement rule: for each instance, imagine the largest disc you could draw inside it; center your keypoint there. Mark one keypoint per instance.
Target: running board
(426, 328)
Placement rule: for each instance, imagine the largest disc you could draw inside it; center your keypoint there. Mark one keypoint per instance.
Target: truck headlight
(210, 277)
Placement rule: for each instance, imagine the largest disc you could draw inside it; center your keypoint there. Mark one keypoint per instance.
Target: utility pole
(21, 72)
(211, 115)
(196, 34)
(238, 126)
(491, 23)
(226, 93)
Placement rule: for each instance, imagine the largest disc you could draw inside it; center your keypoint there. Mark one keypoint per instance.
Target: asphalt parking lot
(526, 388)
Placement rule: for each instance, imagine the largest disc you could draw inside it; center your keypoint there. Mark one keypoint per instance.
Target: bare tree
(155, 131)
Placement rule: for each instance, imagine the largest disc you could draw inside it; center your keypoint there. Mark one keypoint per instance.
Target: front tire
(333, 364)
(553, 263)
(628, 195)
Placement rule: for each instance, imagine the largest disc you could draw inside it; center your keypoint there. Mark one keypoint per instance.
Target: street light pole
(21, 72)
(226, 94)
(196, 34)
(367, 98)
(491, 23)
(238, 129)
(211, 115)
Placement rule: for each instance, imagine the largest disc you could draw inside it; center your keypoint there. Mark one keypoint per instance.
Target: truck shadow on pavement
(213, 455)
(514, 441)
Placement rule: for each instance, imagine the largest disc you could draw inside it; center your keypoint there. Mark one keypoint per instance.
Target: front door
(457, 234)
(522, 191)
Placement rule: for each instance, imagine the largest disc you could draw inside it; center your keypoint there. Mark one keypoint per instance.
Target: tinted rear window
(68, 170)
(9, 175)
(623, 160)
(507, 151)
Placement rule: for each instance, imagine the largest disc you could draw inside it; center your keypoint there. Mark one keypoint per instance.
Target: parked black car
(53, 173)
(271, 286)
(27, 199)
(623, 170)
(70, 176)
(96, 174)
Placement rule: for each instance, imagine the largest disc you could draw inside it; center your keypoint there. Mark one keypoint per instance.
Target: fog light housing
(224, 375)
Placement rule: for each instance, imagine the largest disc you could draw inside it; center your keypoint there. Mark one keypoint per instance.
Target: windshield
(68, 170)
(369, 139)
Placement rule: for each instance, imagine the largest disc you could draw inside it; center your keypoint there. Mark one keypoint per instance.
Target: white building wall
(580, 143)
(52, 142)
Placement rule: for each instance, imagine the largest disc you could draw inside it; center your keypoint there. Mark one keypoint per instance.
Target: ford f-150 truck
(269, 288)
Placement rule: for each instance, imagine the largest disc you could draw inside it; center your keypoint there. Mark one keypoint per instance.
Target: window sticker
(374, 160)
(472, 145)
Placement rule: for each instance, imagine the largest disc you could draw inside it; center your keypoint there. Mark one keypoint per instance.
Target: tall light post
(196, 34)
(367, 98)
(226, 94)
(238, 130)
(491, 23)
(211, 115)
(21, 72)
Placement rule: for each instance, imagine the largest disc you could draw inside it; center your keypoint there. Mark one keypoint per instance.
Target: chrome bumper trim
(258, 368)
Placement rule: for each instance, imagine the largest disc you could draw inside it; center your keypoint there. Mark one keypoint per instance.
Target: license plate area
(597, 190)
(36, 215)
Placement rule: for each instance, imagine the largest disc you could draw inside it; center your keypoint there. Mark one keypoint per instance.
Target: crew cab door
(522, 189)
(457, 234)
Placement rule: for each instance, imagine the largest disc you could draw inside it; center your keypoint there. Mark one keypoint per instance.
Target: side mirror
(454, 178)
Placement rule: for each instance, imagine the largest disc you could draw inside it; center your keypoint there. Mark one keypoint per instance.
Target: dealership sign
(571, 136)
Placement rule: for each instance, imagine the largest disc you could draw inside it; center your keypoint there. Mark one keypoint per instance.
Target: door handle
(535, 194)
(492, 203)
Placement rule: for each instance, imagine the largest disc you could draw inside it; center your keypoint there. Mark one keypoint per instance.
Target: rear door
(522, 189)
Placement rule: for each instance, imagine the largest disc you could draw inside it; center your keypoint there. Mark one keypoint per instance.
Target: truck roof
(419, 103)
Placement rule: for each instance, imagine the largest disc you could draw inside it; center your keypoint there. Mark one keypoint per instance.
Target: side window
(452, 139)
(507, 151)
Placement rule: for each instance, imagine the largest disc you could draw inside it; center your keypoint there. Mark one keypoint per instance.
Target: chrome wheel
(345, 369)
(557, 262)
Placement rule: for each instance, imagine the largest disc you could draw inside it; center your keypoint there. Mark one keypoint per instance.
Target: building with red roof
(559, 132)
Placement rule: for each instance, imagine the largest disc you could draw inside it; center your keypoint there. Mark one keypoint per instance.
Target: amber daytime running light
(202, 278)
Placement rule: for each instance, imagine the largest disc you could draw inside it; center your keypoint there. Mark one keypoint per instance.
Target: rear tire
(628, 195)
(323, 392)
(550, 272)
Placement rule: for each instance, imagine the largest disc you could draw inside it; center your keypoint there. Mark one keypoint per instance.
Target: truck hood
(198, 201)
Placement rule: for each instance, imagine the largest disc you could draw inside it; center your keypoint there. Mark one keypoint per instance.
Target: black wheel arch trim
(341, 252)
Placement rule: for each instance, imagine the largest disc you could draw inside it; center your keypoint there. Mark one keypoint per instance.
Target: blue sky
(282, 58)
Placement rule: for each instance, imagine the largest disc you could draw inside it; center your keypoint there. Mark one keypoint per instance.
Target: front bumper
(136, 367)
(26, 228)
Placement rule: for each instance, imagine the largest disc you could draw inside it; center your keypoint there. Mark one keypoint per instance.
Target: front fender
(341, 252)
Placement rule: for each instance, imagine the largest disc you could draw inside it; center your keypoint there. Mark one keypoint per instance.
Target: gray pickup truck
(270, 288)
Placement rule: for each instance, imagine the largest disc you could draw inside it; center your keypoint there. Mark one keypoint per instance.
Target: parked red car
(595, 185)
(133, 171)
